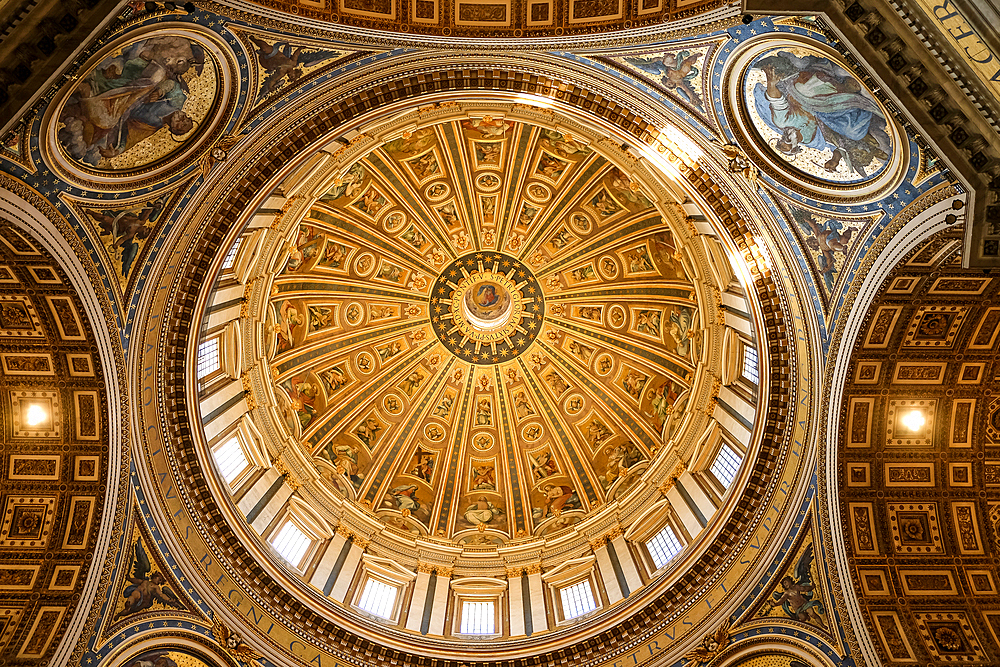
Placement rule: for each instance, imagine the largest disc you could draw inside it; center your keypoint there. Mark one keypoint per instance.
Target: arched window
(663, 546)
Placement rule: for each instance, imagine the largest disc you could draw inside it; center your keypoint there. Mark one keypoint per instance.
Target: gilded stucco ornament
(232, 643)
(711, 646)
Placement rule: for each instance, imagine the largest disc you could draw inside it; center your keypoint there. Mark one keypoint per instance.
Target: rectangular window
(750, 370)
(726, 465)
(577, 599)
(231, 459)
(208, 357)
(478, 618)
(291, 543)
(663, 547)
(378, 598)
(230, 258)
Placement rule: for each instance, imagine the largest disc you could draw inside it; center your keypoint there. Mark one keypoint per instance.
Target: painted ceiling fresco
(483, 328)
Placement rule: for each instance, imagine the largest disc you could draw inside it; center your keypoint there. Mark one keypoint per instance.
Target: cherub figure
(796, 595)
(828, 237)
(127, 227)
(283, 63)
(146, 589)
(677, 70)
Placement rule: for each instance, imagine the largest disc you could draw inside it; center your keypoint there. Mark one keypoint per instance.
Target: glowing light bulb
(36, 415)
(914, 420)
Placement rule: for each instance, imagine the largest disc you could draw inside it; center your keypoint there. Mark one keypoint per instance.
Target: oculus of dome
(487, 307)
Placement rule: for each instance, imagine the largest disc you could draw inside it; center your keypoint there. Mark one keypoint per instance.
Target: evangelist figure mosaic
(816, 115)
(139, 104)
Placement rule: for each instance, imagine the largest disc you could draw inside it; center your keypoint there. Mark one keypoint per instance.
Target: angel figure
(796, 594)
(146, 589)
(282, 62)
(233, 643)
(828, 237)
(676, 70)
(711, 646)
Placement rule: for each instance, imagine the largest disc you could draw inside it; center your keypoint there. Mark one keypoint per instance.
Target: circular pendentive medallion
(486, 307)
(814, 121)
(140, 107)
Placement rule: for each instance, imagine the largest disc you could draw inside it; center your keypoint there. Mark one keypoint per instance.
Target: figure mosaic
(334, 255)
(284, 62)
(145, 589)
(289, 319)
(405, 499)
(828, 239)
(797, 595)
(556, 499)
(597, 432)
(677, 72)
(639, 260)
(125, 230)
(681, 331)
(443, 408)
(488, 152)
(621, 457)
(604, 204)
(522, 407)
(424, 166)
(488, 127)
(484, 412)
(581, 351)
(422, 465)
(303, 396)
(484, 478)
(411, 382)
(371, 202)
(551, 166)
(561, 239)
(633, 383)
(563, 144)
(308, 241)
(811, 102)
(368, 430)
(140, 92)
(648, 322)
(345, 458)
(481, 511)
(347, 186)
(661, 401)
(556, 383)
(334, 379)
(542, 465)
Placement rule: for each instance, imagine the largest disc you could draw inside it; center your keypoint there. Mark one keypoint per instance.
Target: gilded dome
(483, 329)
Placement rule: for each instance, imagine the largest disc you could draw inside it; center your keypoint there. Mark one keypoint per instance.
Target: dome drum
(483, 349)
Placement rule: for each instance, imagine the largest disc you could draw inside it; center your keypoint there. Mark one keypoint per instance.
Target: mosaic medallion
(140, 107)
(814, 121)
(486, 307)
(817, 116)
